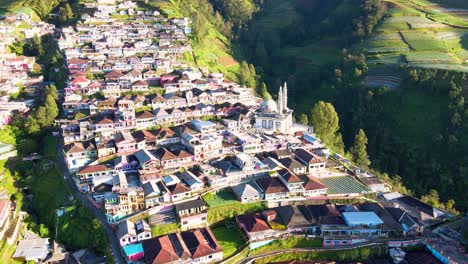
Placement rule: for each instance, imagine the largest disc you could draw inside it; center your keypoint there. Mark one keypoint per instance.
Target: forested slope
(417, 132)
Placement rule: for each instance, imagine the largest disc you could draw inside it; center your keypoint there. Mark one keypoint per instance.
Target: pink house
(168, 78)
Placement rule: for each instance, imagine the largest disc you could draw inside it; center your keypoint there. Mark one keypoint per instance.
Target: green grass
(277, 226)
(230, 239)
(50, 147)
(430, 57)
(160, 230)
(343, 256)
(279, 15)
(7, 181)
(6, 251)
(228, 211)
(292, 242)
(424, 41)
(219, 199)
(310, 56)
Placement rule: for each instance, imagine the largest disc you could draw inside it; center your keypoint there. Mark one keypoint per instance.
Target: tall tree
(326, 125)
(303, 119)
(264, 92)
(359, 149)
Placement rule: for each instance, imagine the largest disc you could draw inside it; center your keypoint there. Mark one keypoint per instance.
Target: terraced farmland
(416, 33)
(343, 185)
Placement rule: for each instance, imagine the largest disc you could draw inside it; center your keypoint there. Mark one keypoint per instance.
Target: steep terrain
(415, 125)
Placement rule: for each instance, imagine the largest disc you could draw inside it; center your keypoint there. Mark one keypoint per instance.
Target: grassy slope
(215, 54)
(229, 238)
(17, 6)
(407, 31)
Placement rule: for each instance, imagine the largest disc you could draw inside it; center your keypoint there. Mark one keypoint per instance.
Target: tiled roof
(79, 147)
(178, 188)
(140, 83)
(253, 222)
(291, 163)
(143, 134)
(201, 242)
(271, 185)
(307, 156)
(164, 154)
(144, 115)
(311, 183)
(94, 168)
(289, 176)
(114, 74)
(165, 249)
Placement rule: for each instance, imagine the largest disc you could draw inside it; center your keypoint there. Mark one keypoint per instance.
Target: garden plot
(429, 57)
(343, 185)
(415, 22)
(462, 55)
(391, 82)
(389, 59)
(385, 43)
(424, 41)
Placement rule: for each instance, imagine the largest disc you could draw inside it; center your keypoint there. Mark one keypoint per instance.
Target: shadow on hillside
(464, 41)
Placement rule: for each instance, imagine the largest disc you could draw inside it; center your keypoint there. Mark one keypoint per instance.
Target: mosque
(275, 117)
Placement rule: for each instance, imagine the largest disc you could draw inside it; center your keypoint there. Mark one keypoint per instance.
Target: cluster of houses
(144, 132)
(394, 217)
(341, 224)
(16, 71)
(113, 56)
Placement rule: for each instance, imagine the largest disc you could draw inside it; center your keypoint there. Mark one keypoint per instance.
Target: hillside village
(153, 141)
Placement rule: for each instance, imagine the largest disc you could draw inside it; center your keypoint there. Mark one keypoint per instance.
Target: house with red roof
(79, 154)
(166, 249)
(202, 245)
(140, 86)
(80, 83)
(87, 173)
(256, 227)
(312, 186)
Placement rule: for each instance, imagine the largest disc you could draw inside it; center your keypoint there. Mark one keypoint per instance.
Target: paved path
(116, 250)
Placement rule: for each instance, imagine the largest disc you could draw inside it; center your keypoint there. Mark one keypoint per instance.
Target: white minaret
(285, 97)
(280, 100)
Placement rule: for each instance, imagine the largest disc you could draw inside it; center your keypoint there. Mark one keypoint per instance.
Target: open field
(229, 238)
(221, 198)
(279, 8)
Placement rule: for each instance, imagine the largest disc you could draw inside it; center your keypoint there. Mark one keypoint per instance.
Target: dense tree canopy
(359, 149)
(326, 125)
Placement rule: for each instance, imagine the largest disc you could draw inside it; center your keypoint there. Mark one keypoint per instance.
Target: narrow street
(116, 250)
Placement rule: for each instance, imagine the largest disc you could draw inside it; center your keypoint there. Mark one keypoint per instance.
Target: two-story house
(192, 214)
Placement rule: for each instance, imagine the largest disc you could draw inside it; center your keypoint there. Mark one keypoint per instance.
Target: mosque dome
(269, 106)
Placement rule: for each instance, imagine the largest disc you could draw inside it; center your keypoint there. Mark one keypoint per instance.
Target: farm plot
(391, 82)
(462, 55)
(343, 185)
(424, 41)
(385, 46)
(388, 59)
(429, 57)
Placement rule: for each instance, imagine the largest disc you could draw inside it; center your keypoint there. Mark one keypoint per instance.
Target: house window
(184, 222)
(203, 218)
